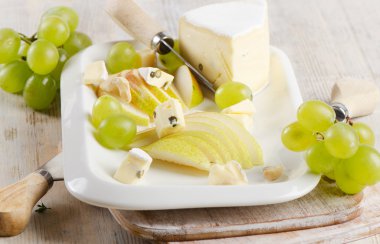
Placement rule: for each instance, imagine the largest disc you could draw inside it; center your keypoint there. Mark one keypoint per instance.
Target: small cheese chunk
(244, 119)
(156, 77)
(168, 117)
(243, 107)
(134, 166)
(230, 173)
(95, 73)
(148, 57)
(117, 87)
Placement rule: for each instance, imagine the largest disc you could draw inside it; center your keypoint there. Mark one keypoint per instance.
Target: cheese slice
(230, 173)
(228, 42)
(243, 107)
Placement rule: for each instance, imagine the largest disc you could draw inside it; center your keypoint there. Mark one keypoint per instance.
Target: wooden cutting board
(325, 205)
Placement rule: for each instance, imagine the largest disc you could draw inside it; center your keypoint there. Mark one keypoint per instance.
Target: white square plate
(88, 167)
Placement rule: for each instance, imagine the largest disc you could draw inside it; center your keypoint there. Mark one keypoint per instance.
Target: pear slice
(211, 153)
(214, 141)
(148, 57)
(231, 151)
(172, 91)
(188, 87)
(243, 156)
(249, 141)
(143, 138)
(179, 151)
(142, 98)
(139, 117)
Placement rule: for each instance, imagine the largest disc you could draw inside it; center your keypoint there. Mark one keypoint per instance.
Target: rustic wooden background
(325, 40)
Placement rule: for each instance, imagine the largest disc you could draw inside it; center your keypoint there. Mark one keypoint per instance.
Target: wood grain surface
(325, 205)
(325, 40)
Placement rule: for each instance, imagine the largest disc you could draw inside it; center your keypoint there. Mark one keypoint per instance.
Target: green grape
(68, 14)
(364, 166)
(122, 56)
(23, 50)
(344, 182)
(42, 57)
(54, 29)
(316, 116)
(297, 138)
(56, 73)
(231, 93)
(320, 160)
(104, 107)
(9, 45)
(341, 140)
(40, 91)
(14, 75)
(76, 42)
(170, 60)
(365, 133)
(116, 131)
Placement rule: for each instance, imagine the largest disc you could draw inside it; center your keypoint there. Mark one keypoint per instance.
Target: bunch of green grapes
(342, 151)
(33, 65)
(114, 129)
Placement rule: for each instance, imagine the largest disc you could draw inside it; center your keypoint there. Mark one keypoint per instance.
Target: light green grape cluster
(33, 65)
(342, 151)
(114, 129)
(122, 56)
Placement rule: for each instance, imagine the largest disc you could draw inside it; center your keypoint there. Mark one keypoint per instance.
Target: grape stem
(28, 40)
(319, 136)
(349, 121)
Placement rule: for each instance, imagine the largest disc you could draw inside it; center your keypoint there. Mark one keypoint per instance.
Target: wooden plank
(325, 205)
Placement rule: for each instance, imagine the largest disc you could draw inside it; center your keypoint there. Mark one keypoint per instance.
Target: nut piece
(274, 172)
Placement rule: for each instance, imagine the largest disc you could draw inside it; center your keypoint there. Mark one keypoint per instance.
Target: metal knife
(17, 200)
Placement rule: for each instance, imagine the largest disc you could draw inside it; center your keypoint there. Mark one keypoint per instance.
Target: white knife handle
(360, 97)
(133, 20)
(17, 201)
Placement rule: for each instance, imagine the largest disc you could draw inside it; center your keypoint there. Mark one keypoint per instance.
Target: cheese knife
(131, 18)
(17, 200)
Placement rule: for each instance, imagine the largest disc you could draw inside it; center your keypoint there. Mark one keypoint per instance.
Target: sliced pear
(143, 138)
(179, 151)
(245, 120)
(243, 156)
(136, 115)
(232, 151)
(172, 91)
(211, 153)
(188, 86)
(249, 141)
(212, 140)
(142, 98)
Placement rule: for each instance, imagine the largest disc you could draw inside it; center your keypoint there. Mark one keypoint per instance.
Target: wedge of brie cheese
(230, 173)
(168, 117)
(95, 73)
(228, 42)
(134, 167)
(156, 77)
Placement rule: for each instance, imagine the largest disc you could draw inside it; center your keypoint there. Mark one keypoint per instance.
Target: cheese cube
(230, 173)
(228, 42)
(243, 107)
(134, 167)
(148, 57)
(156, 77)
(168, 117)
(95, 73)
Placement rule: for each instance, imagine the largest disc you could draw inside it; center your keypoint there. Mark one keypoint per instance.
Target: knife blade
(54, 167)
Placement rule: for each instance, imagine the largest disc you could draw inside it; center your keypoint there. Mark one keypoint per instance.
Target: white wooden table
(325, 40)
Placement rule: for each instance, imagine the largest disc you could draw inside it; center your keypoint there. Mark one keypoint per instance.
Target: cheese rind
(117, 87)
(169, 118)
(228, 42)
(230, 173)
(134, 167)
(95, 73)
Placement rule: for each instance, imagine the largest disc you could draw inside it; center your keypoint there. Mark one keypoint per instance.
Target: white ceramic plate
(88, 167)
